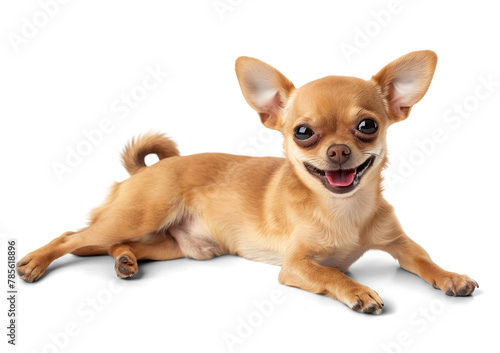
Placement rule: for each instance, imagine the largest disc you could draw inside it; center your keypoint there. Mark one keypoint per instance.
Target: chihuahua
(314, 212)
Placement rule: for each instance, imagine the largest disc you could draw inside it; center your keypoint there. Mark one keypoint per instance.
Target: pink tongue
(340, 177)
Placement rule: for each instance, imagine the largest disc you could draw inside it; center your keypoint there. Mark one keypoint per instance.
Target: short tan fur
(314, 212)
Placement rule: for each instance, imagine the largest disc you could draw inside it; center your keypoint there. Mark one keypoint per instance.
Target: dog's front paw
(365, 300)
(31, 267)
(456, 285)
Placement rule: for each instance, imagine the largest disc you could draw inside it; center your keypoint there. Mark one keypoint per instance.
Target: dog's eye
(305, 137)
(368, 126)
(303, 133)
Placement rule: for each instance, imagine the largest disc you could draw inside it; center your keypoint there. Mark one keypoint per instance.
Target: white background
(65, 79)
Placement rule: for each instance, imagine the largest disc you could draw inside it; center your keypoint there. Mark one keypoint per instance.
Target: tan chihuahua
(314, 212)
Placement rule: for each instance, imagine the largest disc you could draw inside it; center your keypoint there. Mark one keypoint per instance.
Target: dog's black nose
(338, 154)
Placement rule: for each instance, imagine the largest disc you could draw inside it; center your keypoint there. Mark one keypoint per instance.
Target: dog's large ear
(405, 81)
(265, 89)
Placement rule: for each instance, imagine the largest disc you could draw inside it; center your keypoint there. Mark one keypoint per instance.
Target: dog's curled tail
(152, 142)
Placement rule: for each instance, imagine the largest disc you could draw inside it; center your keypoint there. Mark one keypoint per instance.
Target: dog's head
(335, 127)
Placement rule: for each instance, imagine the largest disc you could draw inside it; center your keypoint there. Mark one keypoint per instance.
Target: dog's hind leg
(90, 251)
(157, 246)
(115, 226)
(134, 208)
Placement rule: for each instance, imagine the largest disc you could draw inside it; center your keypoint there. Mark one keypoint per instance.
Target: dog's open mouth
(341, 181)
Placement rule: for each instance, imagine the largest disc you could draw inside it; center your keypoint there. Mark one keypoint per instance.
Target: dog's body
(314, 213)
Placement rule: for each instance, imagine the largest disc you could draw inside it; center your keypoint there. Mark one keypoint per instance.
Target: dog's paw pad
(456, 285)
(30, 268)
(372, 309)
(126, 266)
(367, 301)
